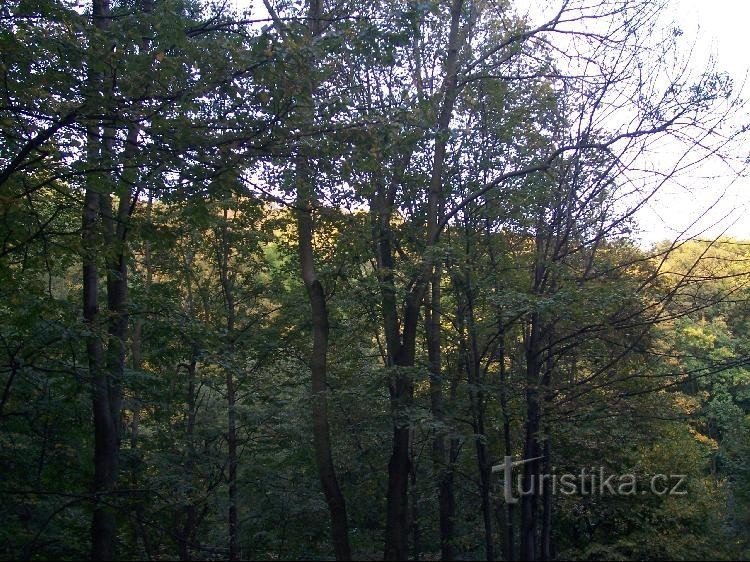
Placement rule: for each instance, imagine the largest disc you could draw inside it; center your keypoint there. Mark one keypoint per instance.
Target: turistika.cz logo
(590, 481)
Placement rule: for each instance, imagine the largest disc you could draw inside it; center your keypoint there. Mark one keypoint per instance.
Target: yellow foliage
(704, 439)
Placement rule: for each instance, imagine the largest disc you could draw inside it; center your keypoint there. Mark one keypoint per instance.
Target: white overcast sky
(720, 29)
(714, 28)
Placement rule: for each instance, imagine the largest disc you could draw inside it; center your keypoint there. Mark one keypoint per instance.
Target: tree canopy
(361, 279)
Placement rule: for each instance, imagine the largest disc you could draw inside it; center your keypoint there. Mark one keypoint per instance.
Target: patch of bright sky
(712, 199)
(719, 29)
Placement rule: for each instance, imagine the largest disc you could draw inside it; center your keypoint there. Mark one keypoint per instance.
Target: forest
(363, 280)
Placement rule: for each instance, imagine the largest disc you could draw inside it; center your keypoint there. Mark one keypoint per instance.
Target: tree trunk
(530, 478)
(105, 427)
(136, 347)
(319, 318)
(396, 539)
(416, 538)
(402, 392)
(227, 285)
(321, 429)
(467, 329)
(548, 499)
(537, 333)
(104, 229)
(508, 511)
(547, 505)
(441, 461)
(402, 345)
(187, 534)
(400, 350)
(234, 551)
(105, 412)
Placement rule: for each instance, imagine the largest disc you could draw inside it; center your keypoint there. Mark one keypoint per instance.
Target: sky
(719, 28)
(713, 199)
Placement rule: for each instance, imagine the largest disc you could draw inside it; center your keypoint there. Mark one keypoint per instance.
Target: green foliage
(637, 360)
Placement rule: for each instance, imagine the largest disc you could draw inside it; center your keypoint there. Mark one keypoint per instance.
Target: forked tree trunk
(398, 354)
(402, 344)
(106, 230)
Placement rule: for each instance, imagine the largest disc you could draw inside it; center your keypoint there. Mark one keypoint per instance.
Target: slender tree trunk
(234, 551)
(441, 461)
(416, 538)
(137, 336)
(318, 367)
(530, 480)
(136, 347)
(547, 505)
(186, 535)
(319, 318)
(227, 285)
(467, 329)
(485, 469)
(535, 380)
(545, 549)
(508, 511)
(105, 412)
(13, 362)
(104, 228)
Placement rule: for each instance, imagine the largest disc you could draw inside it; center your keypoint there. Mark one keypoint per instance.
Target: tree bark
(318, 368)
(186, 533)
(416, 537)
(227, 286)
(105, 412)
(104, 229)
(402, 345)
(467, 329)
(548, 499)
(547, 506)
(531, 450)
(136, 347)
(442, 465)
(319, 316)
(509, 549)
(538, 331)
